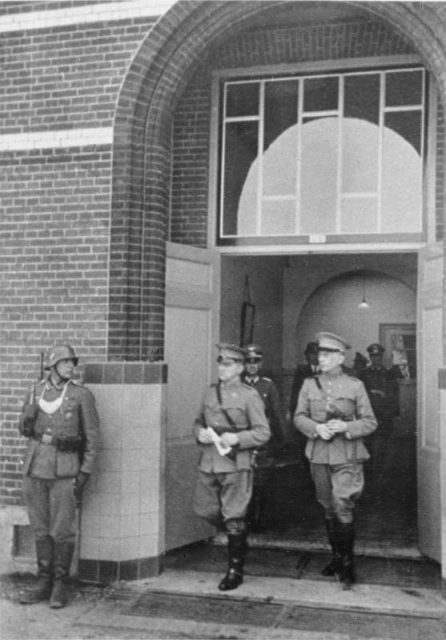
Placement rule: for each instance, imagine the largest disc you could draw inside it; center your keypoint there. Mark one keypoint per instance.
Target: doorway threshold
(287, 542)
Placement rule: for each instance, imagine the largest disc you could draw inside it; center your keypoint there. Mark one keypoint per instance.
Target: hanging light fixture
(363, 304)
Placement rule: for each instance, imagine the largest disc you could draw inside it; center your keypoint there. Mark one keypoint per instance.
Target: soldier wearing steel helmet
(334, 413)
(59, 419)
(230, 425)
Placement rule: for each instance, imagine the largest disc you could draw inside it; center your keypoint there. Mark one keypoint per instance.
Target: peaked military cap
(331, 342)
(254, 352)
(375, 349)
(311, 347)
(232, 351)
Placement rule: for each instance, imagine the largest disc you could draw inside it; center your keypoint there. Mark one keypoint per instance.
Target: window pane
(321, 94)
(278, 217)
(319, 176)
(242, 99)
(361, 97)
(404, 88)
(280, 109)
(240, 153)
(280, 165)
(360, 140)
(401, 185)
(280, 138)
(408, 125)
(359, 215)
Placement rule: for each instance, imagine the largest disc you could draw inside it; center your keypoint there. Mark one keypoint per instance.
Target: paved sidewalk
(261, 608)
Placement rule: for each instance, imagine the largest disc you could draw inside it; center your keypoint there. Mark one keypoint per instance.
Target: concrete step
(286, 608)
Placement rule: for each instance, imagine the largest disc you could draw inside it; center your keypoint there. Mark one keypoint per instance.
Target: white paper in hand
(222, 450)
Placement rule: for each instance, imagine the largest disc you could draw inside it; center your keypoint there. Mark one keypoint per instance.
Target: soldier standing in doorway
(303, 371)
(334, 413)
(382, 388)
(59, 419)
(266, 455)
(230, 426)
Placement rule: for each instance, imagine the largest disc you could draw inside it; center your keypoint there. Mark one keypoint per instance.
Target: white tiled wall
(123, 517)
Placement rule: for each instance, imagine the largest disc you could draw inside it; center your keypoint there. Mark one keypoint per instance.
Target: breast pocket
(317, 408)
(70, 412)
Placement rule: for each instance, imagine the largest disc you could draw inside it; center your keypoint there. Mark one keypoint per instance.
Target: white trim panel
(56, 139)
(27, 20)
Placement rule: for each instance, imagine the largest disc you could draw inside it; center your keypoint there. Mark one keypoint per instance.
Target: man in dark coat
(310, 368)
(267, 454)
(382, 388)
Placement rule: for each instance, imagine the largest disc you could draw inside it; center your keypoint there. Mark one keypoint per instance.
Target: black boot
(335, 565)
(63, 553)
(346, 543)
(237, 552)
(42, 589)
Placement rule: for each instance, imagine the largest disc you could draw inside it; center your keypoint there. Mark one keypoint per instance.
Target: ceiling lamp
(363, 304)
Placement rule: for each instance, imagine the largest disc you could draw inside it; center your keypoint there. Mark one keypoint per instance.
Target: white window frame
(299, 244)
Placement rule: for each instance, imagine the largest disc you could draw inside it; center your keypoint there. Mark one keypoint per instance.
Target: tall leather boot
(237, 548)
(42, 589)
(346, 543)
(335, 565)
(63, 553)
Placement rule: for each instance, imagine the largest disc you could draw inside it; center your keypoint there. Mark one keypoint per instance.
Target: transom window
(325, 155)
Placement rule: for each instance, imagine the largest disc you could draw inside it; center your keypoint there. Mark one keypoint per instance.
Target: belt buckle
(47, 439)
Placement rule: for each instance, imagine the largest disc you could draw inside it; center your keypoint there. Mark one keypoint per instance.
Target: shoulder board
(266, 379)
(78, 383)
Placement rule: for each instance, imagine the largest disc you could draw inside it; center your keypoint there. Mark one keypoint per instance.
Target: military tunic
(336, 464)
(382, 388)
(63, 443)
(224, 484)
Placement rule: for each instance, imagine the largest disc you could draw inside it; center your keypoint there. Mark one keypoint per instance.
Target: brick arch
(142, 150)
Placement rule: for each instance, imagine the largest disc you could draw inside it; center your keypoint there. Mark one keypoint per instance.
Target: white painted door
(192, 330)
(430, 360)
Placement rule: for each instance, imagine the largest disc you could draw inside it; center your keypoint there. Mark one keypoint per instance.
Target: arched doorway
(143, 153)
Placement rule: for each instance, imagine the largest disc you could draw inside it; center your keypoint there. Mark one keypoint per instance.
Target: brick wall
(59, 89)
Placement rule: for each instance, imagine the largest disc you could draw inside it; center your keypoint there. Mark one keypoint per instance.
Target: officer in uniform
(382, 388)
(265, 456)
(234, 412)
(334, 413)
(59, 419)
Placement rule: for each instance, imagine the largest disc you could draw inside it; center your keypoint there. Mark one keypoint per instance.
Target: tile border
(106, 571)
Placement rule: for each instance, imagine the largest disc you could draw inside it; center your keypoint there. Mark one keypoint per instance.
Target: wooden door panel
(191, 331)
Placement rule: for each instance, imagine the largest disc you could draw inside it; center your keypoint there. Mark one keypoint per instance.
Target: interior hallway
(386, 514)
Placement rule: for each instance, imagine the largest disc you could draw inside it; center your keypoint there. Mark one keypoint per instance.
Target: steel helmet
(58, 353)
